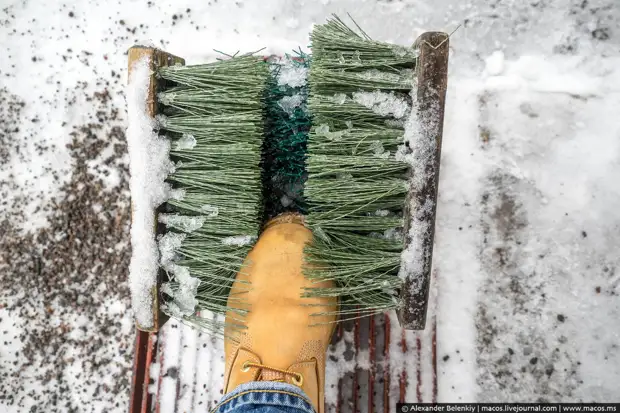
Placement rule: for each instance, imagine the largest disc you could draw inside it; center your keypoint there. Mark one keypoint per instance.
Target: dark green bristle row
(214, 116)
(287, 125)
(357, 184)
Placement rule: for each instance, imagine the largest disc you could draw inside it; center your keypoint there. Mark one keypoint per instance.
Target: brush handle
(432, 79)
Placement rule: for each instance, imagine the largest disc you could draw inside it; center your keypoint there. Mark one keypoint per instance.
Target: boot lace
(297, 378)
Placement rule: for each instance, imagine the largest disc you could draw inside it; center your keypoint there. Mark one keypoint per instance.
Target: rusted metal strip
(418, 387)
(339, 334)
(431, 76)
(434, 344)
(386, 364)
(145, 348)
(373, 363)
(356, 341)
(402, 383)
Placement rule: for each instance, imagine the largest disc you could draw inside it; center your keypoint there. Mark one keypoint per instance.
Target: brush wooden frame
(432, 81)
(157, 58)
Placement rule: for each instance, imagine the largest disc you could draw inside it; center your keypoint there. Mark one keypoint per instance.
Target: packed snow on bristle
(184, 296)
(185, 223)
(149, 167)
(211, 210)
(177, 194)
(239, 240)
(379, 75)
(186, 141)
(382, 103)
(290, 103)
(291, 73)
(169, 244)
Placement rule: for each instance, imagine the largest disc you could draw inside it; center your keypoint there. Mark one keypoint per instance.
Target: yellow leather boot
(280, 338)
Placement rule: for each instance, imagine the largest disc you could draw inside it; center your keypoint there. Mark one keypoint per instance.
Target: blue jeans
(265, 397)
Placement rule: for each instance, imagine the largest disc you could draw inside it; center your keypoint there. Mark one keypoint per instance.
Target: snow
(185, 223)
(186, 141)
(520, 233)
(382, 103)
(239, 240)
(169, 243)
(184, 296)
(292, 74)
(421, 157)
(149, 166)
(495, 63)
(290, 103)
(211, 211)
(209, 381)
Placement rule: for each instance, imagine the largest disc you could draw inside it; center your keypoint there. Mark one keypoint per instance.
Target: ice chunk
(339, 98)
(384, 104)
(186, 141)
(289, 103)
(211, 210)
(182, 222)
(169, 243)
(292, 74)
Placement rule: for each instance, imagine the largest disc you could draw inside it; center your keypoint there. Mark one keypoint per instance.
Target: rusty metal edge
(144, 349)
(432, 78)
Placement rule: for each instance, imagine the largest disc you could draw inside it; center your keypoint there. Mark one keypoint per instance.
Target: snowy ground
(528, 280)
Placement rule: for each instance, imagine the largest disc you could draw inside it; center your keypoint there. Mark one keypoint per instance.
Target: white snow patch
(495, 63)
(154, 372)
(184, 296)
(292, 23)
(177, 194)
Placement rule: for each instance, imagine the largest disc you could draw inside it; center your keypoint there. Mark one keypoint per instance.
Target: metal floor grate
(371, 365)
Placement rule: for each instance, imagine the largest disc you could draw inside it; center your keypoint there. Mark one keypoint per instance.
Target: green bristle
(215, 120)
(356, 186)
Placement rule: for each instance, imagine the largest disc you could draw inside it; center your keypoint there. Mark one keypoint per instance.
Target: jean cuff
(271, 393)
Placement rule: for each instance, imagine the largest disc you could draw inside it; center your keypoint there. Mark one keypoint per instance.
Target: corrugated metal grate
(372, 364)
